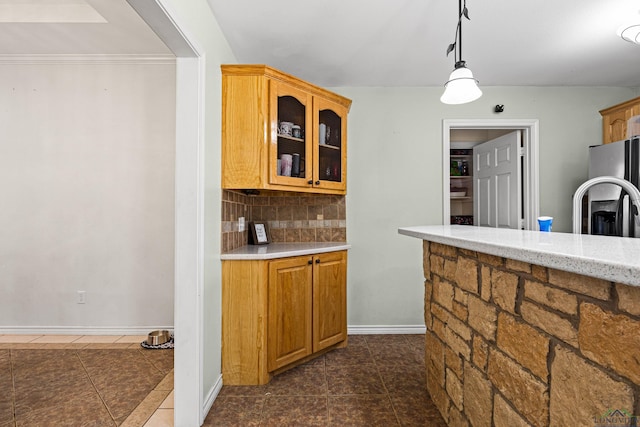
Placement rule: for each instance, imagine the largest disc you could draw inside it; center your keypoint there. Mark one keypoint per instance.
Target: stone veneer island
(528, 328)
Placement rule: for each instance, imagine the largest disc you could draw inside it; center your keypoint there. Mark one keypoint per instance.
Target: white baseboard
(382, 329)
(211, 397)
(144, 330)
(80, 330)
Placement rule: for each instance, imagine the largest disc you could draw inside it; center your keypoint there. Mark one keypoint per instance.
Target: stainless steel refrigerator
(610, 211)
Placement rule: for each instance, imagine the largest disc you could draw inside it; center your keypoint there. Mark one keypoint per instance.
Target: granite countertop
(610, 258)
(283, 250)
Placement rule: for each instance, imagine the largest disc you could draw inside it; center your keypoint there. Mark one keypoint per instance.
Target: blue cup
(545, 223)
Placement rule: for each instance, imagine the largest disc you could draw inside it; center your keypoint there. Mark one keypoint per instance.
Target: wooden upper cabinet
(330, 145)
(271, 119)
(614, 120)
(293, 106)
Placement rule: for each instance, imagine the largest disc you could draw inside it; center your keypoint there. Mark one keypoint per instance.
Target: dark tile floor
(76, 387)
(377, 380)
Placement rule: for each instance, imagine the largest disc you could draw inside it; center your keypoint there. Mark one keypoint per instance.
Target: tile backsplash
(291, 217)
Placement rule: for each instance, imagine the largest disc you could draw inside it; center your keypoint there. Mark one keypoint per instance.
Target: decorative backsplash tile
(234, 205)
(292, 217)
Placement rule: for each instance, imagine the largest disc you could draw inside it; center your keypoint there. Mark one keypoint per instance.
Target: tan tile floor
(378, 380)
(92, 389)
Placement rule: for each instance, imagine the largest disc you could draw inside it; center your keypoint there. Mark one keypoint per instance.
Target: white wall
(86, 165)
(201, 26)
(395, 178)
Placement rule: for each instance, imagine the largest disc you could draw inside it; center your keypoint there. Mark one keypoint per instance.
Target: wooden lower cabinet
(329, 300)
(276, 313)
(290, 294)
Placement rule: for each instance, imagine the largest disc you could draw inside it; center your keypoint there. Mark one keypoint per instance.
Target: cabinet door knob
(310, 262)
(317, 182)
(317, 260)
(310, 182)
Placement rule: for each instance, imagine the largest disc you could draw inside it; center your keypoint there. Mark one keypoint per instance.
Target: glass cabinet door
(291, 133)
(330, 145)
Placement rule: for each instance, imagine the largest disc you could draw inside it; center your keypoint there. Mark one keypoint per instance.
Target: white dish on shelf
(458, 193)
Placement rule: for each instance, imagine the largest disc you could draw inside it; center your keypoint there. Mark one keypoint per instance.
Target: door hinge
(521, 223)
(521, 151)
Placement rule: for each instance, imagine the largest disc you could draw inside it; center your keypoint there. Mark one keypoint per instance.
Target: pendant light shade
(461, 87)
(630, 33)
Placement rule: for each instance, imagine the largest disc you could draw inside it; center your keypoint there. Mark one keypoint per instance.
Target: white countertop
(611, 258)
(282, 250)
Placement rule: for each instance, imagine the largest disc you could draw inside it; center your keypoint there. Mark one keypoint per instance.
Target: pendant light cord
(459, 31)
(462, 11)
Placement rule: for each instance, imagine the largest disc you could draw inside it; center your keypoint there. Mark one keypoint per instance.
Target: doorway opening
(189, 400)
(476, 131)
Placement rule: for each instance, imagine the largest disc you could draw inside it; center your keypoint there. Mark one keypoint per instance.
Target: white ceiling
(372, 42)
(403, 42)
(70, 28)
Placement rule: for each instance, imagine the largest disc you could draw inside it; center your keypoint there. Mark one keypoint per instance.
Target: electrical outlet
(81, 297)
(241, 223)
(320, 217)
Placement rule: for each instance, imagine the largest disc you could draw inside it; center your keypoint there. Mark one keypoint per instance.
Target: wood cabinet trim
(272, 73)
(622, 105)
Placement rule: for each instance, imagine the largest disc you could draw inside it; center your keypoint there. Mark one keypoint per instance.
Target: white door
(497, 180)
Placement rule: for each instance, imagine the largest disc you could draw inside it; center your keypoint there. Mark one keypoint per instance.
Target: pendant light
(461, 86)
(630, 33)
